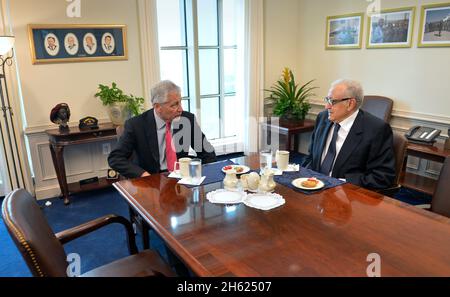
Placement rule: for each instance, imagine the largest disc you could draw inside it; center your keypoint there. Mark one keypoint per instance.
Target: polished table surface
(330, 233)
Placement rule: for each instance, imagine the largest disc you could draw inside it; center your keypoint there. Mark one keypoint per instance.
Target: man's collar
(348, 122)
(160, 123)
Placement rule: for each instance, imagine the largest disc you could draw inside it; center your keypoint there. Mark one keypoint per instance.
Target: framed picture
(77, 43)
(391, 28)
(435, 25)
(344, 31)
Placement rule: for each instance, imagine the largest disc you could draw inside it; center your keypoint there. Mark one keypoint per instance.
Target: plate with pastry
(308, 183)
(240, 169)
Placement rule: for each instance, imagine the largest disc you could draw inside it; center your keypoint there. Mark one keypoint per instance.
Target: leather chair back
(41, 250)
(379, 106)
(400, 144)
(440, 203)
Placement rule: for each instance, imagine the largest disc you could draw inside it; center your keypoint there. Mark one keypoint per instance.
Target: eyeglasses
(332, 101)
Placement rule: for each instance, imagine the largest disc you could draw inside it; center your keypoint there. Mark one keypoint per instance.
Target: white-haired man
(350, 143)
(148, 134)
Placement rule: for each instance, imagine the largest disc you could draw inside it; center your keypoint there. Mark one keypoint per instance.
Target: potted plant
(120, 106)
(289, 99)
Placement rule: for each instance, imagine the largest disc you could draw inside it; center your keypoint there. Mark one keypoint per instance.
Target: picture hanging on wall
(435, 25)
(77, 43)
(344, 31)
(391, 28)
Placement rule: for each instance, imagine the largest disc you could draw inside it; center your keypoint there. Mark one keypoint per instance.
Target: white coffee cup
(282, 158)
(183, 166)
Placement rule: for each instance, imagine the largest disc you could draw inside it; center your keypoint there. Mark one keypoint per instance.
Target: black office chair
(400, 144)
(440, 203)
(379, 106)
(43, 250)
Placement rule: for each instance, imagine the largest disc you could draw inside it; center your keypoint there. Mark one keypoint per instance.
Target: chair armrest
(391, 191)
(83, 229)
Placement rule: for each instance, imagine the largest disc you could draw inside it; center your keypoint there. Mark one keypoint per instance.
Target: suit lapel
(152, 135)
(351, 142)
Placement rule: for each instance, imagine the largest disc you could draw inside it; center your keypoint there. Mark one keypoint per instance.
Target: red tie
(171, 156)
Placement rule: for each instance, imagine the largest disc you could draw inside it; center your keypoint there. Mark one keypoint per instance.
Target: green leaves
(109, 95)
(290, 98)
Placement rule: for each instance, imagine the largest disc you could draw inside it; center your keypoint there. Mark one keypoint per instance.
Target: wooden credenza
(59, 140)
(289, 130)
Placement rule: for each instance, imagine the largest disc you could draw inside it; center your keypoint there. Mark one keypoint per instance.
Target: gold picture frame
(391, 28)
(344, 31)
(434, 30)
(53, 43)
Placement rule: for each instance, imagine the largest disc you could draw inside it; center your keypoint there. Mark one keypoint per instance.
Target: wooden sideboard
(288, 130)
(61, 139)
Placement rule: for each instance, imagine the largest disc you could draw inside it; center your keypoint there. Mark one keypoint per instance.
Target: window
(203, 60)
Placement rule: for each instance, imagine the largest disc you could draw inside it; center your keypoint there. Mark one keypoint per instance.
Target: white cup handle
(175, 167)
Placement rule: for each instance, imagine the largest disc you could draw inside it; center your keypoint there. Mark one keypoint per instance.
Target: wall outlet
(106, 148)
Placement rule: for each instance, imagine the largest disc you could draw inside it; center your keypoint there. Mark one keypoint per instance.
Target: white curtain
(14, 168)
(253, 72)
(148, 25)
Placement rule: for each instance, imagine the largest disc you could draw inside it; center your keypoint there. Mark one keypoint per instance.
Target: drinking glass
(195, 170)
(265, 160)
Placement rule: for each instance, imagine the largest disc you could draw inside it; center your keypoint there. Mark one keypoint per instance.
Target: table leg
(288, 142)
(138, 221)
(58, 162)
(296, 142)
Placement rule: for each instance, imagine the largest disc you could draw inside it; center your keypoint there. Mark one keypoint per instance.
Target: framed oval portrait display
(108, 43)
(71, 44)
(90, 43)
(51, 44)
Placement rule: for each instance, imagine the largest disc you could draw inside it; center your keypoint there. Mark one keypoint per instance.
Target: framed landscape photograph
(344, 31)
(77, 43)
(391, 28)
(434, 25)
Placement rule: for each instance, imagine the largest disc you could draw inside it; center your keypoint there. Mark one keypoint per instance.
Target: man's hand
(145, 174)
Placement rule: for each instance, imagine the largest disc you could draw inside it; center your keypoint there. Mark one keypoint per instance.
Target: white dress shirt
(346, 125)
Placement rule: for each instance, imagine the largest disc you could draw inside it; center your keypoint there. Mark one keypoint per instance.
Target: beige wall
(281, 33)
(416, 78)
(46, 85)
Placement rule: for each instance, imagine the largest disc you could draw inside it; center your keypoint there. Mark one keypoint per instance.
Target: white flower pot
(118, 113)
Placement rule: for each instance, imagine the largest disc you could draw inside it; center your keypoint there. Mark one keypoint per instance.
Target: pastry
(310, 183)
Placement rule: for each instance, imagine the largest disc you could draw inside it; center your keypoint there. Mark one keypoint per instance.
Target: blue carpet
(109, 243)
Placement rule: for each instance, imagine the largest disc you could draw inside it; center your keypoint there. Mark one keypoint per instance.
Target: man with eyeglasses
(160, 136)
(349, 143)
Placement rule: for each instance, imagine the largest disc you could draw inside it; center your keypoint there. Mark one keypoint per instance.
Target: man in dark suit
(349, 143)
(147, 135)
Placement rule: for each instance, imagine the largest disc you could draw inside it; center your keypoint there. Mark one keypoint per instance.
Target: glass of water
(265, 160)
(195, 170)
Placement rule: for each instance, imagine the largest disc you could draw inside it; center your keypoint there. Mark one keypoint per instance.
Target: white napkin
(174, 174)
(293, 168)
(188, 181)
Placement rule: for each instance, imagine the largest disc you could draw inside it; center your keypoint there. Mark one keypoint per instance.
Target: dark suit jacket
(140, 137)
(367, 156)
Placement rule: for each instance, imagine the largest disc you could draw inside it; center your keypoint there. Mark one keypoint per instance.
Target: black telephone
(422, 135)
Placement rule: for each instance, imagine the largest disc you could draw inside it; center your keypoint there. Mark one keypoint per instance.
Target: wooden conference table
(330, 233)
